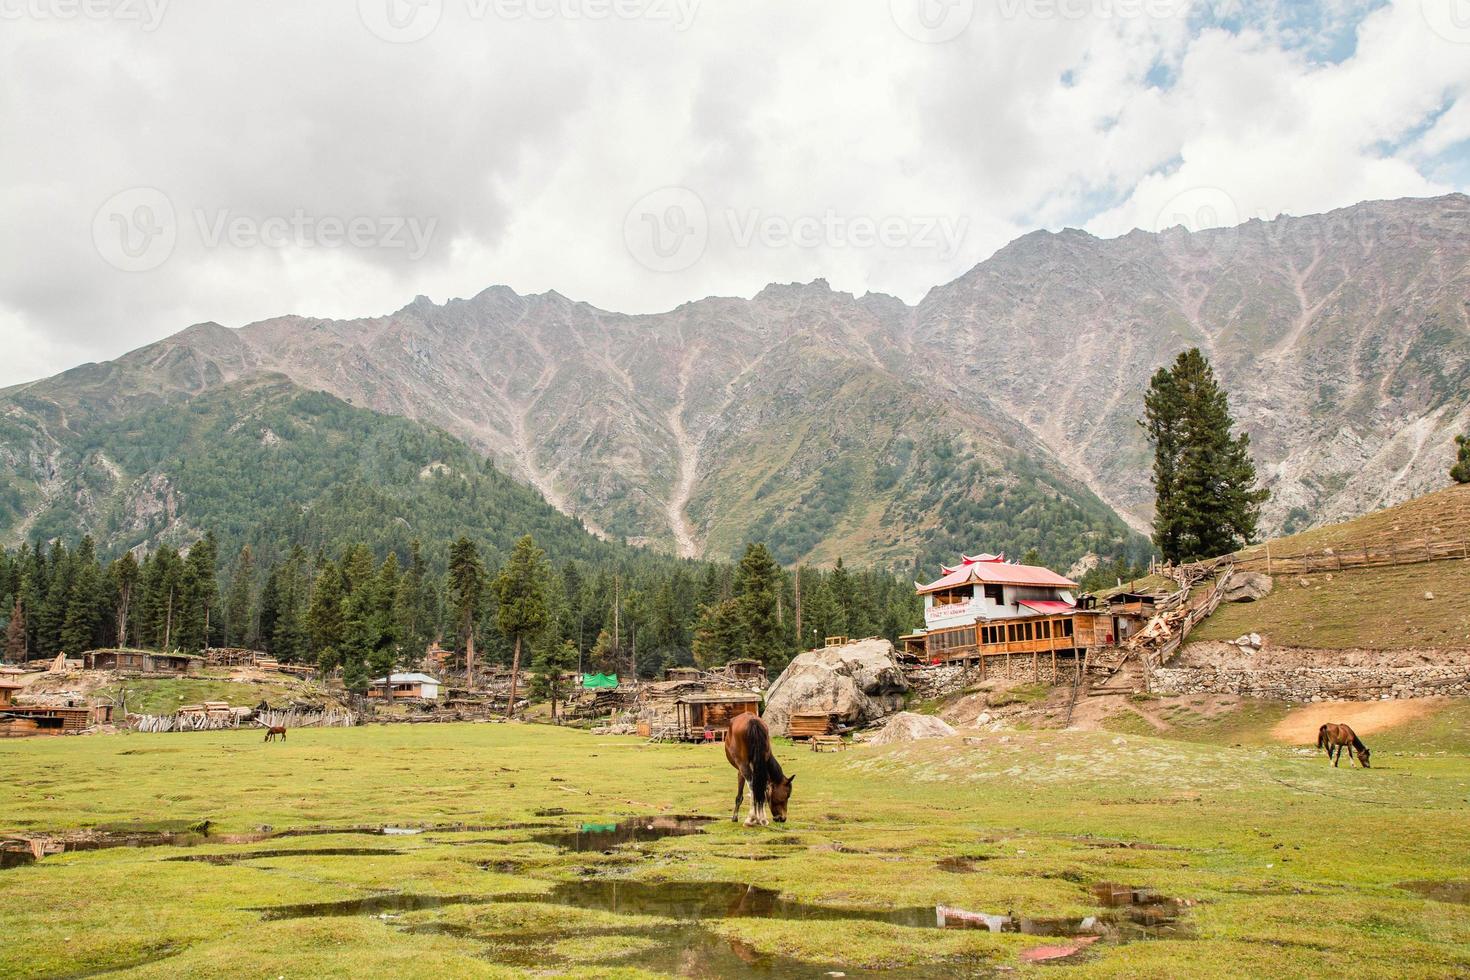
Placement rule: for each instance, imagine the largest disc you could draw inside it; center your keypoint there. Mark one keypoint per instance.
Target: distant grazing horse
(748, 747)
(1334, 738)
(273, 731)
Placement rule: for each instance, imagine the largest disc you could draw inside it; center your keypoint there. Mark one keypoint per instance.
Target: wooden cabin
(7, 692)
(420, 687)
(141, 661)
(62, 719)
(681, 674)
(745, 670)
(696, 714)
(985, 606)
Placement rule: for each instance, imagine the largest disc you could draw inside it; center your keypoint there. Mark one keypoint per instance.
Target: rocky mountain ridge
(1004, 403)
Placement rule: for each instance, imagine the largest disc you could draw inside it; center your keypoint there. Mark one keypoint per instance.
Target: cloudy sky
(167, 162)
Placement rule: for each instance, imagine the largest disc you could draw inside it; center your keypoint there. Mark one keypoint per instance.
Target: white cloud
(525, 141)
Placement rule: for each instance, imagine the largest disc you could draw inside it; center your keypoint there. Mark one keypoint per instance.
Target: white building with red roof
(989, 587)
(986, 606)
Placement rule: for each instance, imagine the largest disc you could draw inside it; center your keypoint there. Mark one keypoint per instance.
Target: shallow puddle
(692, 901)
(1457, 892)
(284, 852)
(396, 902)
(606, 836)
(14, 853)
(1129, 913)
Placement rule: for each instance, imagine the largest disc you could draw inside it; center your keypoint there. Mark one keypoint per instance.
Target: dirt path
(1365, 717)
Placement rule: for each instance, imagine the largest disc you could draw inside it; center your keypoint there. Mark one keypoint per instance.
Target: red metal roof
(993, 571)
(1048, 606)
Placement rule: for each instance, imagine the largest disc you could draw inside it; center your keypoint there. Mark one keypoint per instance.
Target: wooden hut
(745, 670)
(681, 674)
(141, 661)
(7, 692)
(61, 719)
(698, 714)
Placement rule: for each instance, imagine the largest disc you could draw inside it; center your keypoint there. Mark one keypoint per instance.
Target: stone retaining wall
(1315, 683)
(947, 679)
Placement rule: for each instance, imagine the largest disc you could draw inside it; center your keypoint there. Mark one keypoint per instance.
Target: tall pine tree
(1206, 499)
(522, 614)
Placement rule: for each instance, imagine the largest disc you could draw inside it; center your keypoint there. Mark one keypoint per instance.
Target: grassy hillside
(1441, 516)
(1372, 608)
(1382, 608)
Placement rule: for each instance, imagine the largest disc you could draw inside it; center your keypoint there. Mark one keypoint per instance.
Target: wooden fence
(201, 722)
(1372, 556)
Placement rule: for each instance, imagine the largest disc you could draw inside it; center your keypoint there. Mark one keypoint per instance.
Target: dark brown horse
(1334, 738)
(748, 747)
(273, 731)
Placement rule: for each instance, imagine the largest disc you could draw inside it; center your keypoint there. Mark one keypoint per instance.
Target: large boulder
(859, 682)
(909, 727)
(1247, 587)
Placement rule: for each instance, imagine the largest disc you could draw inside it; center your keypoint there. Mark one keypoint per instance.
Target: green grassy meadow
(1288, 867)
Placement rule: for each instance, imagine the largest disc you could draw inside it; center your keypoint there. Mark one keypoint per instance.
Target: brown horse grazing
(273, 731)
(748, 747)
(1335, 737)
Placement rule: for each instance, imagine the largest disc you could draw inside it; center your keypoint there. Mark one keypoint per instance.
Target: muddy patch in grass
(1456, 892)
(961, 864)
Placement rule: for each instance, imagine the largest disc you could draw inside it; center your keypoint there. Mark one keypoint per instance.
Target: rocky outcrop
(858, 682)
(906, 726)
(1247, 587)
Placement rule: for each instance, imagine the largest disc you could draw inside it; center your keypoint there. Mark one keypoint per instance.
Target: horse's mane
(764, 769)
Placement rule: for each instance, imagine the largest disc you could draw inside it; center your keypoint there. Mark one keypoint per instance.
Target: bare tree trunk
(469, 660)
(515, 670)
(168, 624)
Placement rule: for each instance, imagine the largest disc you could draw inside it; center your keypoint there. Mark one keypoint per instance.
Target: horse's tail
(758, 744)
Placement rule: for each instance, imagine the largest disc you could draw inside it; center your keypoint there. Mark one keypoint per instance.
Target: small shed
(63, 718)
(698, 713)
(413, 686)
(681, 674)
(7, 692)
(743, 670)
(141, 661)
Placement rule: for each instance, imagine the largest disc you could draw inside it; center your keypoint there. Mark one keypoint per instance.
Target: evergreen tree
(15, 634)
(521, 592)
(467, 596)
(238, 600)
(758, 592)
(86, 601)
(552, 665)
(1206, 500)
(1460, 472)
(124, 574)
(719, 635)
(324, 628)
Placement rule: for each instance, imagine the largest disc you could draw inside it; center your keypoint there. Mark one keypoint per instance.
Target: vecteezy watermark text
(409, 234)
(148, 14)
(407, 21)
(941, 233)
(138, 229)
(669, 229)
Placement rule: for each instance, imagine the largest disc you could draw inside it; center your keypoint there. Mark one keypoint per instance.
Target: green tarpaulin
(594, 682)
